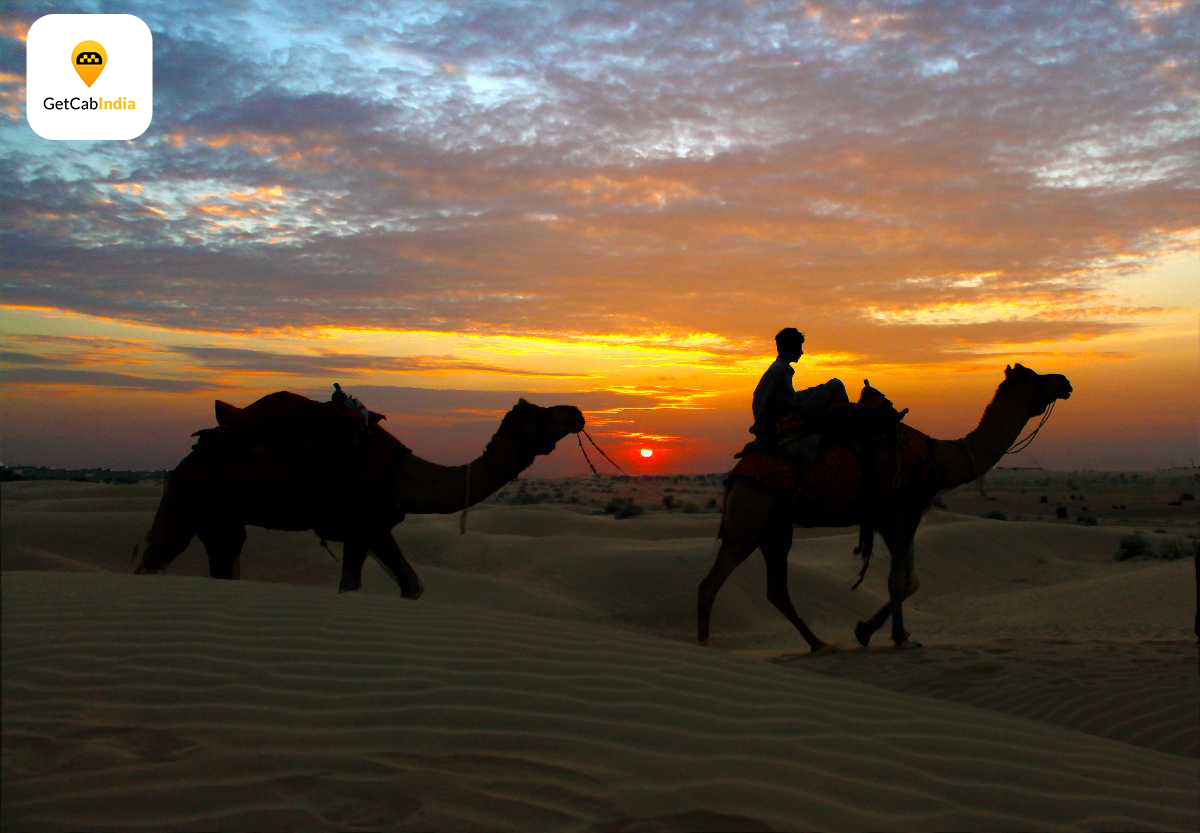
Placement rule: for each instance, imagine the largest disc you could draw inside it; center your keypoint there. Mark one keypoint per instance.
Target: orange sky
(615, 208)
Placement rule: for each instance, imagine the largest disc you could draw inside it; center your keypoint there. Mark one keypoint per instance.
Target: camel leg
(393, 561)
(775, 549)
(170, 534)
(730, 556)
(902, 583)
(747, 518)
(354, 555)
(224, 541)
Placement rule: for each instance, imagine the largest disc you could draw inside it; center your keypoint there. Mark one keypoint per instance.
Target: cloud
(101, 379)
(626, 169)
(260, 361)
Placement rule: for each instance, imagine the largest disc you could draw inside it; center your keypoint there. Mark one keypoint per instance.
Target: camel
(909, 474)
(215, 497)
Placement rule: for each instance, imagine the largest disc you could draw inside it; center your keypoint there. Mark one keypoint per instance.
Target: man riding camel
(775, 399)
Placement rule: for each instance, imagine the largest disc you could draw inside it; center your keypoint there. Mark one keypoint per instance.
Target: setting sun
(646, 452)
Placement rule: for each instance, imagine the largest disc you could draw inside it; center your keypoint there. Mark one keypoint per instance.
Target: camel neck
(428, 488)
(984, 447)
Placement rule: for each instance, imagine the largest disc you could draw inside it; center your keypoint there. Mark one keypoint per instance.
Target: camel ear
(1008, 370)
(1019, 366)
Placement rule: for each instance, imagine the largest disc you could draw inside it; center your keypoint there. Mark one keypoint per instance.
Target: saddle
(859, 426)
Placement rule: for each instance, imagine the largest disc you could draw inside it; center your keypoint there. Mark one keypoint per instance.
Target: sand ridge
(198, 704)
(549, 679)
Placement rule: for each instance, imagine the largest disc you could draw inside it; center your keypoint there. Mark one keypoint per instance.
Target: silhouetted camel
(759, 518)
(215, 497)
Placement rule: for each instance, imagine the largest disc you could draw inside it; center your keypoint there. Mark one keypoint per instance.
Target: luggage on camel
(338, 441)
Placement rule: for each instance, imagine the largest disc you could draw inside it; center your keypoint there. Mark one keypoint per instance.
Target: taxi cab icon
(89, 58)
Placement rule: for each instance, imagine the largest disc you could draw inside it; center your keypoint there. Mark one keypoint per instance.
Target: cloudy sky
(445, 206)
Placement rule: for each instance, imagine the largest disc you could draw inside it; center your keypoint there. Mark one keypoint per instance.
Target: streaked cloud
(653, 188)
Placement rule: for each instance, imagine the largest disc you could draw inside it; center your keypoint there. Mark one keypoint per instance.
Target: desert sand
(549, 678)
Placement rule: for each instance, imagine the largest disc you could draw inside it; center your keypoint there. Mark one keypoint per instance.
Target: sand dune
(549, 680)
(198, 704)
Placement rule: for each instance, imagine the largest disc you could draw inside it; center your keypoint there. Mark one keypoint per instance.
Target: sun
(647, 452)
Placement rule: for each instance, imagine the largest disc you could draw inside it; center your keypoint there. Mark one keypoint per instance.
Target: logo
(89, 58)
(106, 93)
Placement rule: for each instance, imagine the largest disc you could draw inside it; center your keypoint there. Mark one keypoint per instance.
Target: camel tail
(866, 545)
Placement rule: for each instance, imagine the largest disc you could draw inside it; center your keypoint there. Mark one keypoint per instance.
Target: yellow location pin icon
(89, 60)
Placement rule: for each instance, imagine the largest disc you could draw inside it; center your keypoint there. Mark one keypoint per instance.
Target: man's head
(790, 343)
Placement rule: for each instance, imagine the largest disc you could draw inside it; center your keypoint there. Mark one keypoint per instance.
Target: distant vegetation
(623, 507)
(1139, 545)
(125, 476)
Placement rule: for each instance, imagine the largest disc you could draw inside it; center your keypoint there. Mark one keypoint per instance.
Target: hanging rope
(462, 519)
(602, 454)
(325, 544)
(585, 456)
(1021, 445)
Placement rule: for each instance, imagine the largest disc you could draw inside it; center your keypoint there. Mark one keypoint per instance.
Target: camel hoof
(823, 650)
(413, 593)
(349, 588)
(909, 645)
(862, 632)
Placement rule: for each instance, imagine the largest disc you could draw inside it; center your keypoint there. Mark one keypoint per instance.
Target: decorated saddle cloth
(846, 450)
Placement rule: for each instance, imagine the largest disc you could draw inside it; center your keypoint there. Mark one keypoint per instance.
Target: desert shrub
(623, 507)
(668, 502)
(712, 503)
(1087, 520)
(1136, 545)
(524, 496)
(996, 516)
(1187, 496)
(1060, 512)
(1178, 548)
(1045, 499)
(689, 508)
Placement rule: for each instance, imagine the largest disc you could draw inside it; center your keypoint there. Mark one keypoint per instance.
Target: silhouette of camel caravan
(89, 58)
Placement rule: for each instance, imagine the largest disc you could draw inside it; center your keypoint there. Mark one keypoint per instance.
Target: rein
(599, 449)
(1021, 445)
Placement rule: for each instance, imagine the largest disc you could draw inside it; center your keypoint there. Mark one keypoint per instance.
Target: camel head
(535, 430)
(1035, 390)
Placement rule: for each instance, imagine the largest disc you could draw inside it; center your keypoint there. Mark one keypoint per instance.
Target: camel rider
(775, 398)
(774, 393)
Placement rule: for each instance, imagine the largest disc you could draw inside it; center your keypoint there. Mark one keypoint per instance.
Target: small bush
(668, 502)
(996, 516)
(712, 503)
(1087, 520)
(1061, 513)
(1187, 496)
(623, 507)
(1178, 548)
(1045, 499)
(524, 498)
(1133, 546)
